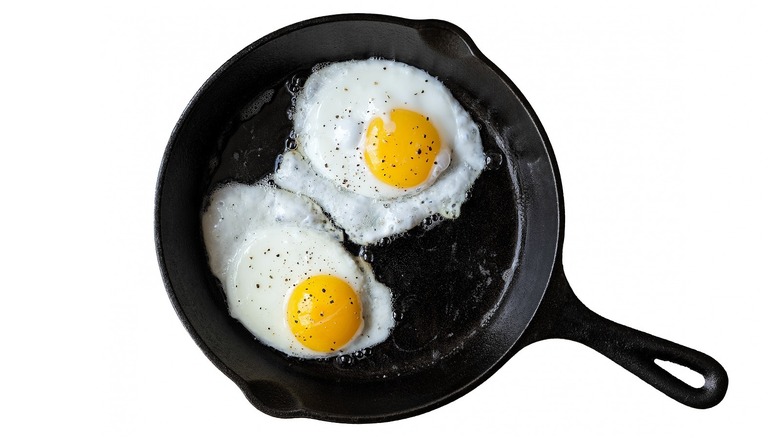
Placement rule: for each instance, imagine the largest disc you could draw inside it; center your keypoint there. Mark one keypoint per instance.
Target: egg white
(236, 212)
(330, 119)
(263, 241)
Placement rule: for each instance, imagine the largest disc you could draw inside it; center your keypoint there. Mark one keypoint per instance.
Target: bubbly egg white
(263, 241)
(330, 119)
(236, 212)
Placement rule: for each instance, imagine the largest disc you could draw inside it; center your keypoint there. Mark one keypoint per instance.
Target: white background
(663, 117)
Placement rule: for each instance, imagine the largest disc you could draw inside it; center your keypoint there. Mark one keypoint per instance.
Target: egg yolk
(324, 313)
(403, 153)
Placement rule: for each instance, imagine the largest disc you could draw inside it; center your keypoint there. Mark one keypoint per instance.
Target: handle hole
(687, 375)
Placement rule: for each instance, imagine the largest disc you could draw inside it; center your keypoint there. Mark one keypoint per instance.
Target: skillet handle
(562, 315)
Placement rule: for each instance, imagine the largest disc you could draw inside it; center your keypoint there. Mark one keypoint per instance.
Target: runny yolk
(402, 154)
(324, 313)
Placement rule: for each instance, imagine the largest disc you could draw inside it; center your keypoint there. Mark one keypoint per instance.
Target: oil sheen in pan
(447, 276)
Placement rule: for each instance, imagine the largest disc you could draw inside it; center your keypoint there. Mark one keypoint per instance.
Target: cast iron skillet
(468, 293)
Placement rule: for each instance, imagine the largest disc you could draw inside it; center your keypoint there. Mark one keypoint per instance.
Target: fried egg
(380, 146)
(287, 277)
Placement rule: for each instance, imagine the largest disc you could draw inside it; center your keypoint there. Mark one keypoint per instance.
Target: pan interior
(460, 297)
(446, 275)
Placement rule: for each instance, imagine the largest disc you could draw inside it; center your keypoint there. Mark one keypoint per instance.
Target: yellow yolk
(324, 313)
(402, 154)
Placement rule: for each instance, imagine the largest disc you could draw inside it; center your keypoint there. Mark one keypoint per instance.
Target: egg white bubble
(236, 212)
(263, 241)
(331, 115)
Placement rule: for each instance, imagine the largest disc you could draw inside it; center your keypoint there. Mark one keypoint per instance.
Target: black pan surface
(468, 293)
